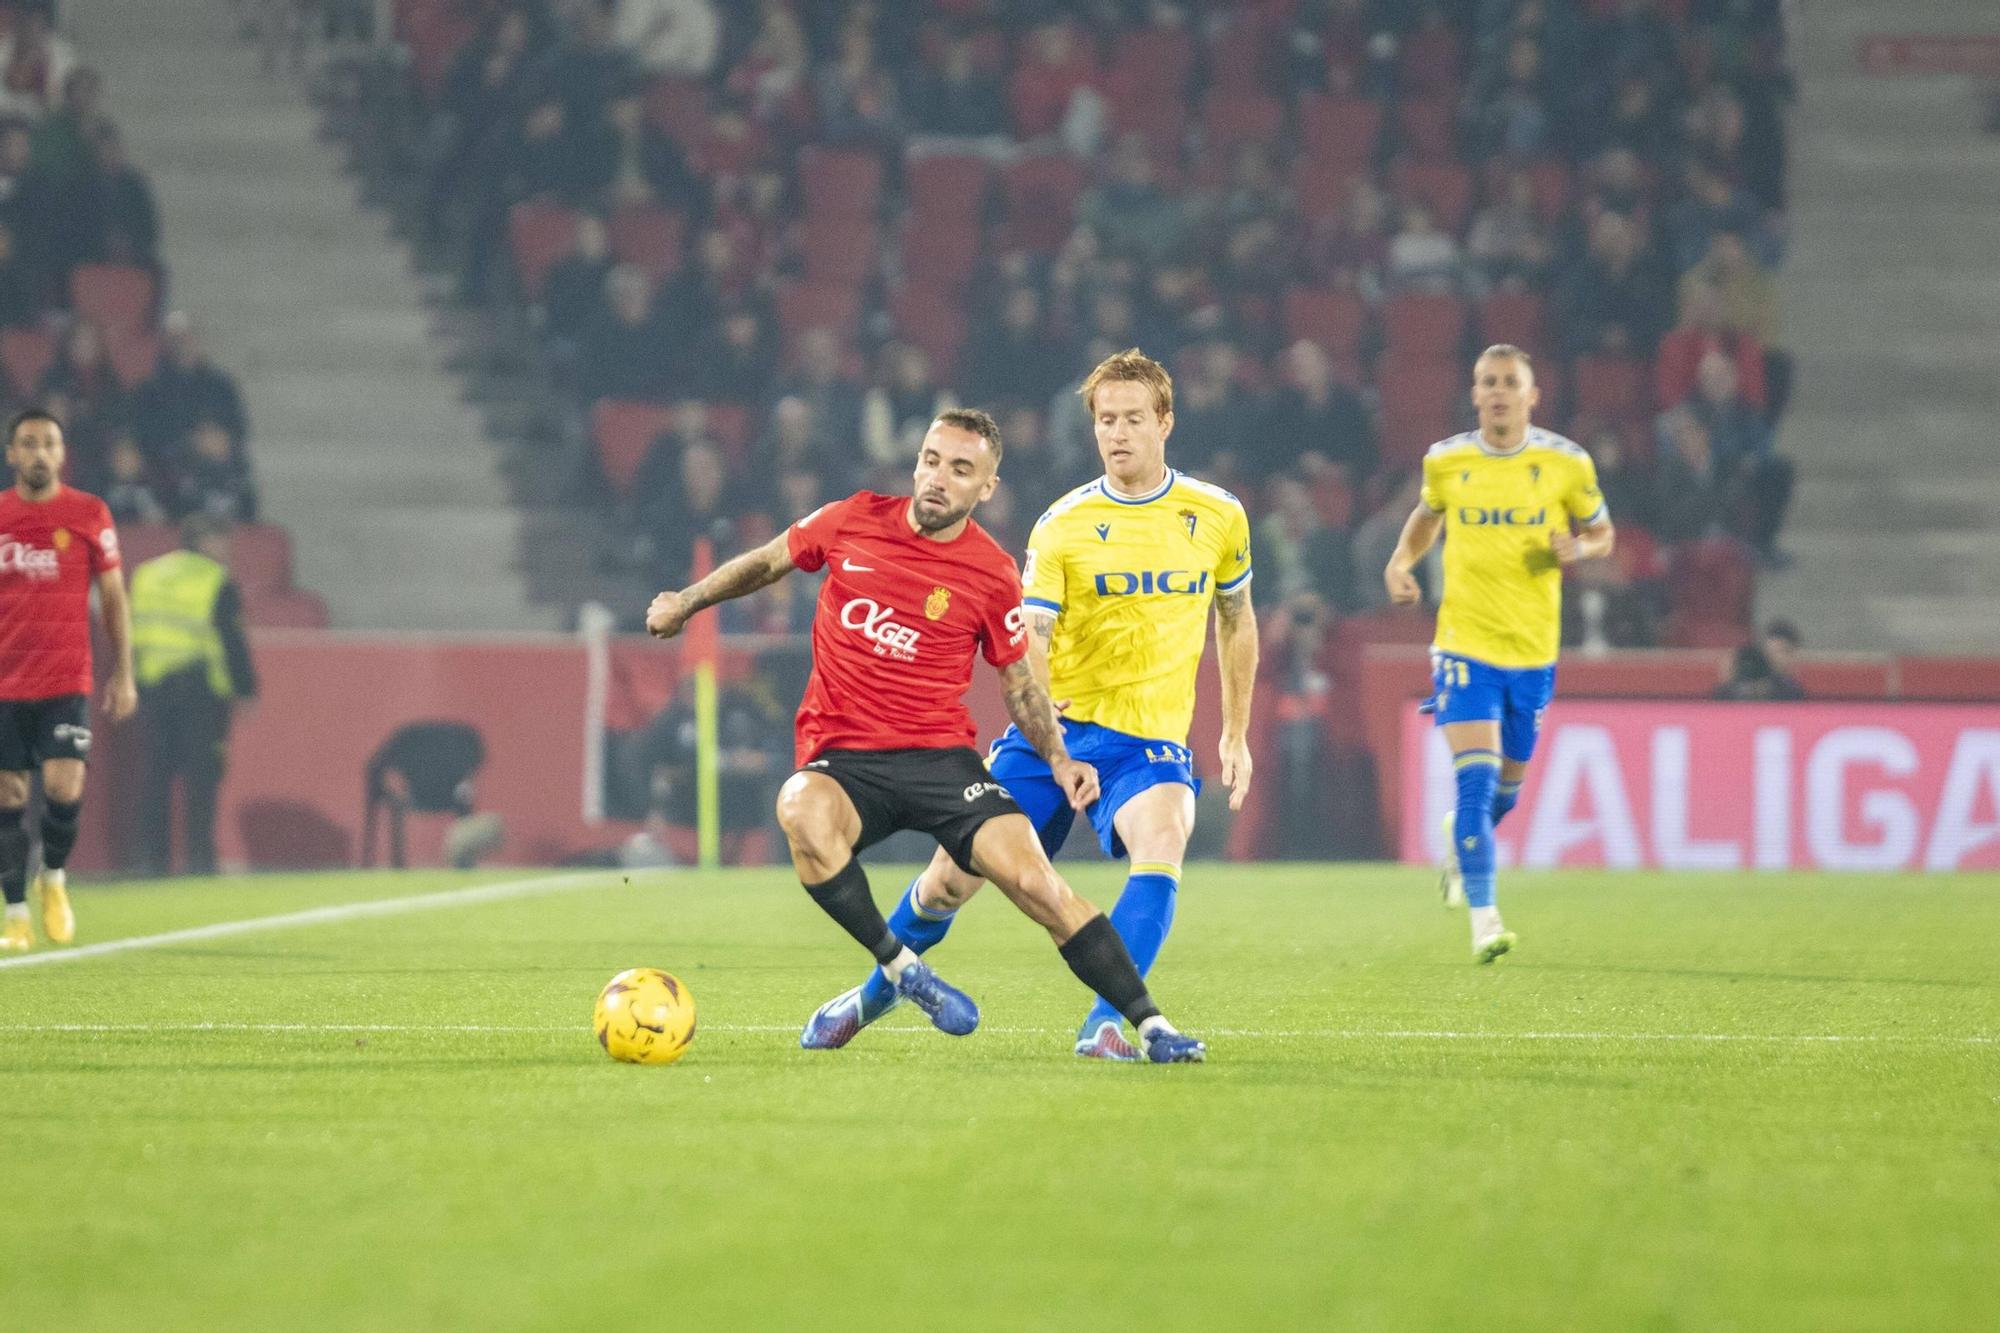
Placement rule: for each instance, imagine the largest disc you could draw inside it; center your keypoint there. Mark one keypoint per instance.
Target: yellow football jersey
(1130, 583)
(1502, 585)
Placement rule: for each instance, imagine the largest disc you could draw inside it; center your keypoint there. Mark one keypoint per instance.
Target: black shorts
(32, 730)
(947, 794)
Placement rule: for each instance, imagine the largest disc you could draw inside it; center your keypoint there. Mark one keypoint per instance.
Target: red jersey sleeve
(812, 536)
(103, 542)
(1003, 633)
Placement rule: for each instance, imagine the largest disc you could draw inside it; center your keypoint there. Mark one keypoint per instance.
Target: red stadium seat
(932, 319)
(134, 353)
(679, 107)
(292, 608)
(25, 358)
(838, 252)
(732, 425)
(1430, 62)
(260, 557)
(1514, 317)
(1163, 125)
(1424, 326)
(1041, 200)
(1550, 180)
(1612, 389)
(1231, 119)
(1339, 132)
(650, 238)
(805, 305)
(1322, 190)
(940, 253)
(1160, 57)
(1711, 586)
(946, 185)
(1239, 60)
(539, 234)
(840, 184)
(1422, 402)
(1426, 129)
(623, 433)
(113, 296)
(1443, 187)
(1335, 320)
(140, 542)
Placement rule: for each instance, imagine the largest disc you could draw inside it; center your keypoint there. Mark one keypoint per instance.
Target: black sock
(1101, 961)
(59, 821)
(846, 898)
(13, 856)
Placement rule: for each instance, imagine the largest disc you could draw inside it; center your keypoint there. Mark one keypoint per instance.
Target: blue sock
(912, 927)
(1478, 775)
(1505, 796)
(1142, 916)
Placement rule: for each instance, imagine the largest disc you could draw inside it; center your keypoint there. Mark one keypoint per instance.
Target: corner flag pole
(703, 646)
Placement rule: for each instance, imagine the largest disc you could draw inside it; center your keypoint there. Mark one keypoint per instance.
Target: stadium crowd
(762, 244)
(151, 423)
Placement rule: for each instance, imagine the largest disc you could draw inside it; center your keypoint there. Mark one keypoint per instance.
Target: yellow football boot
(16, 937)
(58, 921)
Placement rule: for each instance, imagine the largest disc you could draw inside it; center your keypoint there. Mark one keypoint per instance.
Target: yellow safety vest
(173, 619)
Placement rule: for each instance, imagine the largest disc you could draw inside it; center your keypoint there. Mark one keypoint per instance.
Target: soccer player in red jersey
(913, 589)
(55, 542)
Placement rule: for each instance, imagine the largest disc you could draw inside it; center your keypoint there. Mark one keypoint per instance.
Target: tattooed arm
(1025, 685)
(1236, 653)
(668, 615)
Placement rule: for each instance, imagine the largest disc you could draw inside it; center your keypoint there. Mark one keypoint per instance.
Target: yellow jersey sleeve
(1044, 583)
(1232, 570)
(1431, 495)
(1583, 500)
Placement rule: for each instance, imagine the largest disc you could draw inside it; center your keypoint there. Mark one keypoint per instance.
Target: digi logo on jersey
(33, 561)
(1146, 582)
(1522, 517)
(871, 618)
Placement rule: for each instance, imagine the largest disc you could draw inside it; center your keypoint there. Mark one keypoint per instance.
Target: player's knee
(947, 888)
(808, 820)
(13, 791)
(64, 787)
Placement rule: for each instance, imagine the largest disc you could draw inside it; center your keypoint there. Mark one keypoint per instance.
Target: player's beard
(939, 517)
(38, 476)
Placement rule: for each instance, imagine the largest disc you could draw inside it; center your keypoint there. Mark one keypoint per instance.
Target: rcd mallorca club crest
(935, 604)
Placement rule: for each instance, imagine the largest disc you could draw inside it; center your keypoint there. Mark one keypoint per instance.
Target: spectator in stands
(904, 401)
(822, 383)
(799, 491)
(1616, 182)
(791, 442)
(1702, 330)
(486, 81)
(35, 65)
(1313, 414)
(1689, 487)
(1375, 541)
(1127, 209)
(697, 505)
(1741, 440)
(1710, 204)
(1301, 551)
(1011, 359)
(859, 106)
(215, 478)
(63, 138)
(1423, 257)
(678, 39)
(772, 70)
(1613, 301)
(1627, 487)
(129, 491)
(624, 349)
(1508, 245)
(957, 100)
(693, 301)
(186, 387)
(98, 404)
(1761, 671)
(1749, 296)
(1509, 115)
(737, 368)
(1214, 416)
(647, 166)
(573, 296)
(1638, 121)
(130, 220)
(17, 155)
(20, 287)
(1053, 70)
(588, 67)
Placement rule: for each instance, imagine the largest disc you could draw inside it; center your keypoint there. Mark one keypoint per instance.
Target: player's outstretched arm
(121, 692)
(1593, 543)
(668, 615)
(1420, 533)
(1236, 652)
(1029, 706)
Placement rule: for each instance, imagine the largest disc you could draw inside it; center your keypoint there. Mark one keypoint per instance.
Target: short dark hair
(1786, 630)
(24, 416)
(979, 423)
(198, 528)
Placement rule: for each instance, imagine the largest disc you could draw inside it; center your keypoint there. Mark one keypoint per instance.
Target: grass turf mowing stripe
(314, 916)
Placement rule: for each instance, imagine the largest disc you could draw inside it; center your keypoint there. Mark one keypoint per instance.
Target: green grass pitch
(1687, 1102)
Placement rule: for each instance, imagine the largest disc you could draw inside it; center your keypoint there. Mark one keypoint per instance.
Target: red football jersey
(898, 620)
(49, 553)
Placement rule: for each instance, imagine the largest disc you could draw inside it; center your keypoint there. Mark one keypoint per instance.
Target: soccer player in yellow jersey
(1119, 581)
(1516, 504)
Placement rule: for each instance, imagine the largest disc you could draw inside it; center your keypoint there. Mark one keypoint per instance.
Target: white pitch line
(314, 916)
(1324, 1034)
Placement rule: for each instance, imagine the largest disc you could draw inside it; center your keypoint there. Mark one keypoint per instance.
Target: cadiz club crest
(935, 604)
(1188, 517)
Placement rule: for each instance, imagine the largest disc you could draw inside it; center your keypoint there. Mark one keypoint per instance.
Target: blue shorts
(1126, 766)
(1468, 690)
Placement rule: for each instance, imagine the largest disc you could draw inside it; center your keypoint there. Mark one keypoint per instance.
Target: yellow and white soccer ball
(645, 1017)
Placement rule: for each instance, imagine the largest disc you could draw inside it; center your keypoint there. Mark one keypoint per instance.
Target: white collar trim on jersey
(1479, 438)
(1104, 485)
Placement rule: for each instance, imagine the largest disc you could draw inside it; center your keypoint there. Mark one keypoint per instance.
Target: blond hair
(1131, 366)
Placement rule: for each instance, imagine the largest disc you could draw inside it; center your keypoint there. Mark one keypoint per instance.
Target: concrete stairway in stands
(396, 502)
(1892, 306)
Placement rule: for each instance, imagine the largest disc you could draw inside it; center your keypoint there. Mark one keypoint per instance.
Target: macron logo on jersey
(889, 638)
(34, 561)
